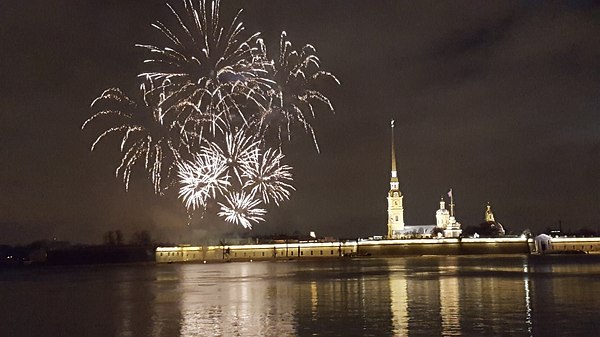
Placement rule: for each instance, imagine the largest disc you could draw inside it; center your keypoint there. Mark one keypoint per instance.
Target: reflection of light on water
(125, 291)
(243, 299)
(399, 303)
(528, 320)
(314, 300)
(450, 305)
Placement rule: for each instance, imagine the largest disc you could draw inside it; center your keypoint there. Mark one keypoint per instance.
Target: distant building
(453, 229)
(489, 216)
(543, 243)
(396, 229)
(496, 228)
(416, 232)
(442, 216)
(395, 224)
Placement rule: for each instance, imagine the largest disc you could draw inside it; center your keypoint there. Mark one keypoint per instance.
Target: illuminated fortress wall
(323, 250)
(588, 245)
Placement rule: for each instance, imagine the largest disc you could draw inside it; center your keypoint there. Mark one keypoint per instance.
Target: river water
(409, 296)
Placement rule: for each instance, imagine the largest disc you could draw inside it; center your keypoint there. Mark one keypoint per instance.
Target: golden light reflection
(399, 304)
(528, 318)
(238, 302)
(314, 299)
(450, 303)
(403, 296)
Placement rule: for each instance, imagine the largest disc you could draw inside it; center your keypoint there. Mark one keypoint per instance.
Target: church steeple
(395, 208)
(393, 151)
(489, 216)
(394, 184)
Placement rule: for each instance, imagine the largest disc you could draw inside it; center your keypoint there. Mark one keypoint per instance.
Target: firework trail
(296, 75)
(241, 209)
(145, 137)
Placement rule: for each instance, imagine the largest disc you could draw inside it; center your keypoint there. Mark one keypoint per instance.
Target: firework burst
(292, 99)
(241, 209)
(239, 151)
(212, 99)
(267, 177)
(208, 65)
(202, 179)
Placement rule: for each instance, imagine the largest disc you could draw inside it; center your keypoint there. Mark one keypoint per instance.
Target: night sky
(497, 100)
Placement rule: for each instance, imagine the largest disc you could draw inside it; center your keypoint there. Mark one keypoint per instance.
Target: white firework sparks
(145, 137)
(241, 209)
(291, 101)
(202, 178)
(211, 93)
(268, 178)
(209, 65)
(239, 151)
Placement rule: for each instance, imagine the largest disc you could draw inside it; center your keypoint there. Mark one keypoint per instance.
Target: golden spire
(394, 185)
(393, 151)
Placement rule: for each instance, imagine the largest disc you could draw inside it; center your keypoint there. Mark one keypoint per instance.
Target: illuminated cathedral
(446, 223)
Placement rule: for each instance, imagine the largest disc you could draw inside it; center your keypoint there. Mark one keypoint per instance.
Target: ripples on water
(447, 295)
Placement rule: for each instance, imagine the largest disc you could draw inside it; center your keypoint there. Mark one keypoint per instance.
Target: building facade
(442, 216)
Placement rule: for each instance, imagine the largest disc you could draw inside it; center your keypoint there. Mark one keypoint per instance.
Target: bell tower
(395, 208)
(489, 216)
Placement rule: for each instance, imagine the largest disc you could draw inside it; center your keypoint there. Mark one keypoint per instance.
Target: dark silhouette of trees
(113, 238)
(142, 238)
(484, 230)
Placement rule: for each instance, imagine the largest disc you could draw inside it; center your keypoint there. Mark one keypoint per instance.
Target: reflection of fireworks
(145, 137)
(268, 177)
(212, 94)
(241, 209)
(201, 179)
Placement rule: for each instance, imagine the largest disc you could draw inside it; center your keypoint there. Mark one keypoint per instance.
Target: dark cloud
(497, 100)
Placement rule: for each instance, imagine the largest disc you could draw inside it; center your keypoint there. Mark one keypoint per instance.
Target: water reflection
(449, 302)
(492, 295)
(399, 300)
(526, 285)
